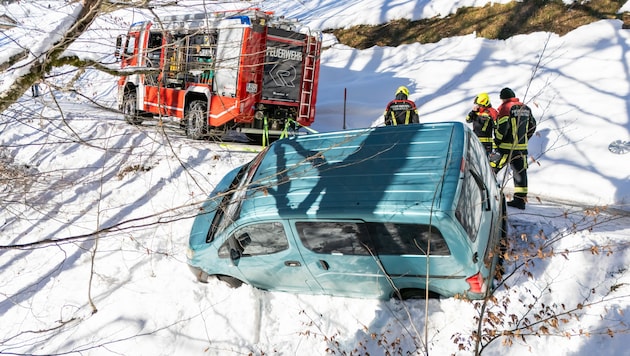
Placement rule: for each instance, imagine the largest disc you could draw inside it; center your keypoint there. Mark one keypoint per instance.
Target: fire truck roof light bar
(213, 16)
(244, 18)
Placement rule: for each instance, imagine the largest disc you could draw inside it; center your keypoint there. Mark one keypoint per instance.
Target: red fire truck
(247, 71)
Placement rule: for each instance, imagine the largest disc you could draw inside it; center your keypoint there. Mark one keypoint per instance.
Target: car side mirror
(244, 240)
(235, 255)
(119, 50)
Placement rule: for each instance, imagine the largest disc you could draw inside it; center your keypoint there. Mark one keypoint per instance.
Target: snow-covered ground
(115, 202)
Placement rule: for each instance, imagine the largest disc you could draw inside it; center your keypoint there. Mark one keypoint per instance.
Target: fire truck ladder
(313, 47)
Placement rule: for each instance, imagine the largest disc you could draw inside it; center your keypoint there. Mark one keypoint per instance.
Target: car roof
(390, 172)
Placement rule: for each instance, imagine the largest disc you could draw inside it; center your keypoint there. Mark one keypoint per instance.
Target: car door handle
(324, 265)
(292, 263)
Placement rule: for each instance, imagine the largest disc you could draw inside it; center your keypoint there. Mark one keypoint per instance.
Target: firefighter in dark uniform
(483, 117)
(515, 126)
(401, 111)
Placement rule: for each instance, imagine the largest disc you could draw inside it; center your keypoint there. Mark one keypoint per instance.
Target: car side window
(478, 159)
(407, 239)
(355, 238)
(471, 200)
(347, 238)
(131, 45)
(256, 239)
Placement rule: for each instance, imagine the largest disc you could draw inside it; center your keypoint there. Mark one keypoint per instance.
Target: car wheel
(201, 276)
(231, 281)
(405, 294)
(196, 120)
(130, 109)
(503, 242)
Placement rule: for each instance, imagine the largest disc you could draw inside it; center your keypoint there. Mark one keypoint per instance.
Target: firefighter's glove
(494, 157)
(472, 116)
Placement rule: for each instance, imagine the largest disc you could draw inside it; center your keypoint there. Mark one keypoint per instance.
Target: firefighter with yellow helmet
(401, 110)
(483, 118)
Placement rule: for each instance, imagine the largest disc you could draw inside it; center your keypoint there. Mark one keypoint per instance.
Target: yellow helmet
(483, 99)
(402, 90)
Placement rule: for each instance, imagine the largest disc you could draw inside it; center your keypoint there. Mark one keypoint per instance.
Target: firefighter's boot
(518, 202)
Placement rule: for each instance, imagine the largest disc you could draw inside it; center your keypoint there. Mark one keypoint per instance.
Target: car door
(268, 259)
(403, 249)
(340, 258)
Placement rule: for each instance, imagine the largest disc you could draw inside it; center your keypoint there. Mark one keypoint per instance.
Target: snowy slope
(115, 204)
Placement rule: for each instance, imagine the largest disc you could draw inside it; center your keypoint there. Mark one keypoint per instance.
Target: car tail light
(476, 283)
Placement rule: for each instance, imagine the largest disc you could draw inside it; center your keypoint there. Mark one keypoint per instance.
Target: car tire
(230, 281)
(406, 294)
(196, 118)
(201, 276)
(503, 242)
(130, 108)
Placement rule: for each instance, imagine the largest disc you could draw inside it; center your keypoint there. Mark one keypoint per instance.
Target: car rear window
(360, 238)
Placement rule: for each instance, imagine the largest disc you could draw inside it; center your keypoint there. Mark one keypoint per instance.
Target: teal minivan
(383, 212)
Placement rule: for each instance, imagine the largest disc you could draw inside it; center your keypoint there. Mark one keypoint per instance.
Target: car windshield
(230, 206)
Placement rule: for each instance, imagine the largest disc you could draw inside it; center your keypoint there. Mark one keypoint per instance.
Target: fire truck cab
(247, 71)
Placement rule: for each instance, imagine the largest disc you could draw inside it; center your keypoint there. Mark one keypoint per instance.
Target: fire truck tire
(130, 109)
(196, 120)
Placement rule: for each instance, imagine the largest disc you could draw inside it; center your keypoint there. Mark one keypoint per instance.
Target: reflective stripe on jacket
(401, 112)
(483, 121)
(515, 126)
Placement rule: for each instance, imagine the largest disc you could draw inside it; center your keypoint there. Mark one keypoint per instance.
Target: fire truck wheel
(130, 109)
(196, 120)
